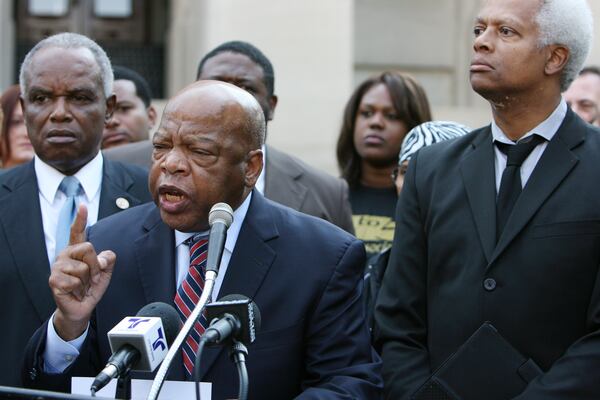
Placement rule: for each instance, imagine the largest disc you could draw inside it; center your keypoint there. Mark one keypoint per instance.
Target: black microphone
(139, 342)
(220, 218)
(234, 316)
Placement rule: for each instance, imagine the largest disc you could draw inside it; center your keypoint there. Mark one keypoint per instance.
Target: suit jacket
(539, 284)
(288, 181)
(304, 274)
(24, 268)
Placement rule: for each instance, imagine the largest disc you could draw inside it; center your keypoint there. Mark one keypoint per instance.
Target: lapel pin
(122, 203)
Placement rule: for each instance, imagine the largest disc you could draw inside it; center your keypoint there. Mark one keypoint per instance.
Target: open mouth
(171, 198)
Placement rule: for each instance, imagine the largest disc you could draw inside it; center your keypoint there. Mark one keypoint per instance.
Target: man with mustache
(66, 83)
(503, 224)
(304, 274)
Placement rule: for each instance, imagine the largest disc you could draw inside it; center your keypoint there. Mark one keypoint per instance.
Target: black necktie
(510, 185)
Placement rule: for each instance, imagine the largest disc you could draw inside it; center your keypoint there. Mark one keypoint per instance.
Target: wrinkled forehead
(53, 64)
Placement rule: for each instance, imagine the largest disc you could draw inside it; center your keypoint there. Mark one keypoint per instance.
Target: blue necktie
(71, 187)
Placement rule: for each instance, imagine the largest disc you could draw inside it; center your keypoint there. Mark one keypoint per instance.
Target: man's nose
(60, 111)
(483, 41)
(175, 162)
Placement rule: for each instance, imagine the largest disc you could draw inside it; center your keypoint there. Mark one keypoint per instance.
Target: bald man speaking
(303, 273)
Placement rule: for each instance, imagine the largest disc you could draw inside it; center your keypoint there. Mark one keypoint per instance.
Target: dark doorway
(132, 32)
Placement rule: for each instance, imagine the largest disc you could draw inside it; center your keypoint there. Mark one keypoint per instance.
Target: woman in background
(376, 119)
(15, 147)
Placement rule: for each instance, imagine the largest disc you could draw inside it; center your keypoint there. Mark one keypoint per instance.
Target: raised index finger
(77, 234)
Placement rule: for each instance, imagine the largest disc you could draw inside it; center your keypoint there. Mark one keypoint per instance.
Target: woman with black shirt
(376, 119)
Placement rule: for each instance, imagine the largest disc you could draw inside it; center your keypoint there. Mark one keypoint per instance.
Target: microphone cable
(196, 370)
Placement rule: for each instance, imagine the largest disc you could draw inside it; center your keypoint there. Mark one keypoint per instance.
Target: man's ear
(558, 56)
(111, 103)
(272, 104)
(254, 165)
(151, 111)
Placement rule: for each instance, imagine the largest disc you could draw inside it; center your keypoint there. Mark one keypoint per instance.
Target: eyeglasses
(397, 171)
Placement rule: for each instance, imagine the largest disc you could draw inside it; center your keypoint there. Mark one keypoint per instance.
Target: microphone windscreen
(169, 316)
(255, 310)
(220, 212)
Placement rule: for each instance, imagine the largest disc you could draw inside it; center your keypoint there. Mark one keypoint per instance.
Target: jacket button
(33, 374)
(489, 284)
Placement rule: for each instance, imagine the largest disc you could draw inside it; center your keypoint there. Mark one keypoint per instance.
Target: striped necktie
(188, 295)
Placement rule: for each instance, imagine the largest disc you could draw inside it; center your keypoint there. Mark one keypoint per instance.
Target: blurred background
(320, 50)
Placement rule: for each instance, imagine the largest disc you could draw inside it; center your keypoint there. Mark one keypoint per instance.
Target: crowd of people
(440, 255)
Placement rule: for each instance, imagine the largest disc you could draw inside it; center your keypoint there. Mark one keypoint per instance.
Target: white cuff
(58, 354)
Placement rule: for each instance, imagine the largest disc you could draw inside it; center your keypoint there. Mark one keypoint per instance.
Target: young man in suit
(134, 115)
(305, 275)
(479, 238)
(66, 83)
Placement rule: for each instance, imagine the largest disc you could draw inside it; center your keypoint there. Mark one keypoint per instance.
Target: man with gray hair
(66, 83)
(502, 226)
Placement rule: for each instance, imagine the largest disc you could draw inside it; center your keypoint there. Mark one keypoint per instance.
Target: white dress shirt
(52, 199)
(547, 129)
(58, 354)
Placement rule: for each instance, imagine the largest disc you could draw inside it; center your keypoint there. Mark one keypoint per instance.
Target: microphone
(220, 218)
(234, 316)
(140, 342)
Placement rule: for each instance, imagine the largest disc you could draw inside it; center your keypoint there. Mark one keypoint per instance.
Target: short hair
(410, 102)
(142, 88)
(8, 103)
(249, 51)
(68, 40)
(590, 69)
(568, 23)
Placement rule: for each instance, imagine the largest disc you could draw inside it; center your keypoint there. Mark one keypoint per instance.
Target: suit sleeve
(344, 217)
(339, 360)
(33, 375)
(401, 310)
(575, 374)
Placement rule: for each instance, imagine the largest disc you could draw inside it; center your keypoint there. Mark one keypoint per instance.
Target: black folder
(485, 367)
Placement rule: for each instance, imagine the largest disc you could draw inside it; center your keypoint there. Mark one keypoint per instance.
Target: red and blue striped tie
(188, 295)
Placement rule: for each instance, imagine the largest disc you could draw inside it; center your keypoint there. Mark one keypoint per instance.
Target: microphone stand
(124, 387)
(238, 353)
(187, 327)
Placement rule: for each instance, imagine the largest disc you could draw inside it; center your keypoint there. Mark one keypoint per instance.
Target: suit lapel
(22, 219)
(251, 260)
(115, 184)
(155, 261)
(281, 180)
(477, 170)
(552, 168)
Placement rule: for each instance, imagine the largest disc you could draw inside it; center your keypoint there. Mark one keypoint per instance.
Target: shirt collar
(232, 233)
(49, 178)
(547, 129)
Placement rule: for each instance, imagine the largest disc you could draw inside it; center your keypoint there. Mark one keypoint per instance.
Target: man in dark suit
(285, 179)
(66, 99)
(303, 273)
(461, 256)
